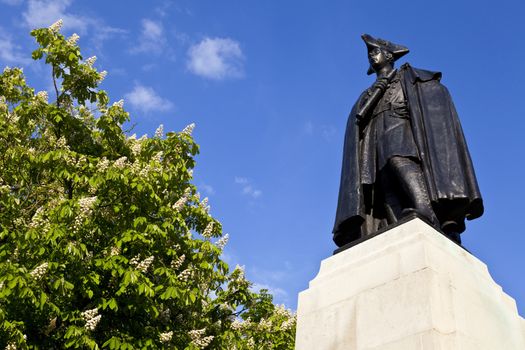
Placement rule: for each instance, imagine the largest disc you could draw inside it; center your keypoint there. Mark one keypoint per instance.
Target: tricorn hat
(397, 51)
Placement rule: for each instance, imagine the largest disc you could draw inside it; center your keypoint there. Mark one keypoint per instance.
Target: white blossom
(221, 243)
(208, 230)
(102, 75)
(145, 264)
(177, 263)
(251, 343)
(158, 156)
(204, 342)
(62, 142)
(166, 337)
(225, 307)
(182, 200)
(10, 346)
(42, 95)
(281, 310)
(92, 318)
(198, 340)
(39, 271)
(38, 218)
(86, 208)
(185, 275)
(86, 204)
(188, 129)
(289, 323)
(237, 325)
(91, 61)
(196, 333)
(55, 27)
(119, 103)
(89, 314)
(72, 40)
(120, 163)
(265, 324)
(204, 205)
(114, 251)
(136, 148)
(190, 173)
(135, 260)
(240, 274)
(160, 131)
(103, 164)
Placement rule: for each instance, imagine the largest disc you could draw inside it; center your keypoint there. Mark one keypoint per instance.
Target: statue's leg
(391, 198)
(409, 175)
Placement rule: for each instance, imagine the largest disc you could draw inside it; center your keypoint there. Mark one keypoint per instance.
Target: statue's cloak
(445, 160)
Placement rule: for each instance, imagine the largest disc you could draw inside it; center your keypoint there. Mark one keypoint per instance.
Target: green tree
(104, 240)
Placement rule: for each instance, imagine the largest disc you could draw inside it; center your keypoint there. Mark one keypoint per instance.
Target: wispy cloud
(217, 58)
(272, 280)
(103, 32)
(9, 51)
(247, 188)
(207, 189)
(145, 99)
(152, 38)
(326, 131)
(308, 128)
(43, 13)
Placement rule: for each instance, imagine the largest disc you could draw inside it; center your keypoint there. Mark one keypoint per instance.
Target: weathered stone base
(409, 288)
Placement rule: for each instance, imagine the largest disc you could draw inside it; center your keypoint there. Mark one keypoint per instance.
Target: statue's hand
(381, 84)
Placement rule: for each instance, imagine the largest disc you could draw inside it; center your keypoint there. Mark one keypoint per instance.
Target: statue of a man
(404, 153)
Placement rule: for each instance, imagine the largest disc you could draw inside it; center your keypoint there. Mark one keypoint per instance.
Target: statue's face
(377, 58)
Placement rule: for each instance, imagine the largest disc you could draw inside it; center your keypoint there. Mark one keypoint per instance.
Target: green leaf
(43, 299)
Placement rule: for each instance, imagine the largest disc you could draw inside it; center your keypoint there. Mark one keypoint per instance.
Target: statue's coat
(445, 160)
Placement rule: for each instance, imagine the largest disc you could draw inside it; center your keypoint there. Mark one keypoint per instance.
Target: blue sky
(269, 85)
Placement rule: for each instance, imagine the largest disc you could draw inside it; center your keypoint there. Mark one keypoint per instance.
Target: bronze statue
(404, 153)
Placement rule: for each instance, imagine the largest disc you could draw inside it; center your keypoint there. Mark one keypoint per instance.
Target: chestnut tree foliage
(104, 241)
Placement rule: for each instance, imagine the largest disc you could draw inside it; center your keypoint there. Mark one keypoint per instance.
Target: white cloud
(247, 187)
(103, 33)
(209, 190)
(152, 38)
(9, 51)
(328, 132)
(308, 128)
(217, 58)
(241, 180)
(250, 191)
(43, 13)
(269, 275)
(146, 99)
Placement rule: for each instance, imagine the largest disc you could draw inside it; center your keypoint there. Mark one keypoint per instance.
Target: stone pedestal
(409, 288)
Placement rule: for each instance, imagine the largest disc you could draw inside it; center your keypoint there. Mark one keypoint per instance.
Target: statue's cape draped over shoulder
(445, 159)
